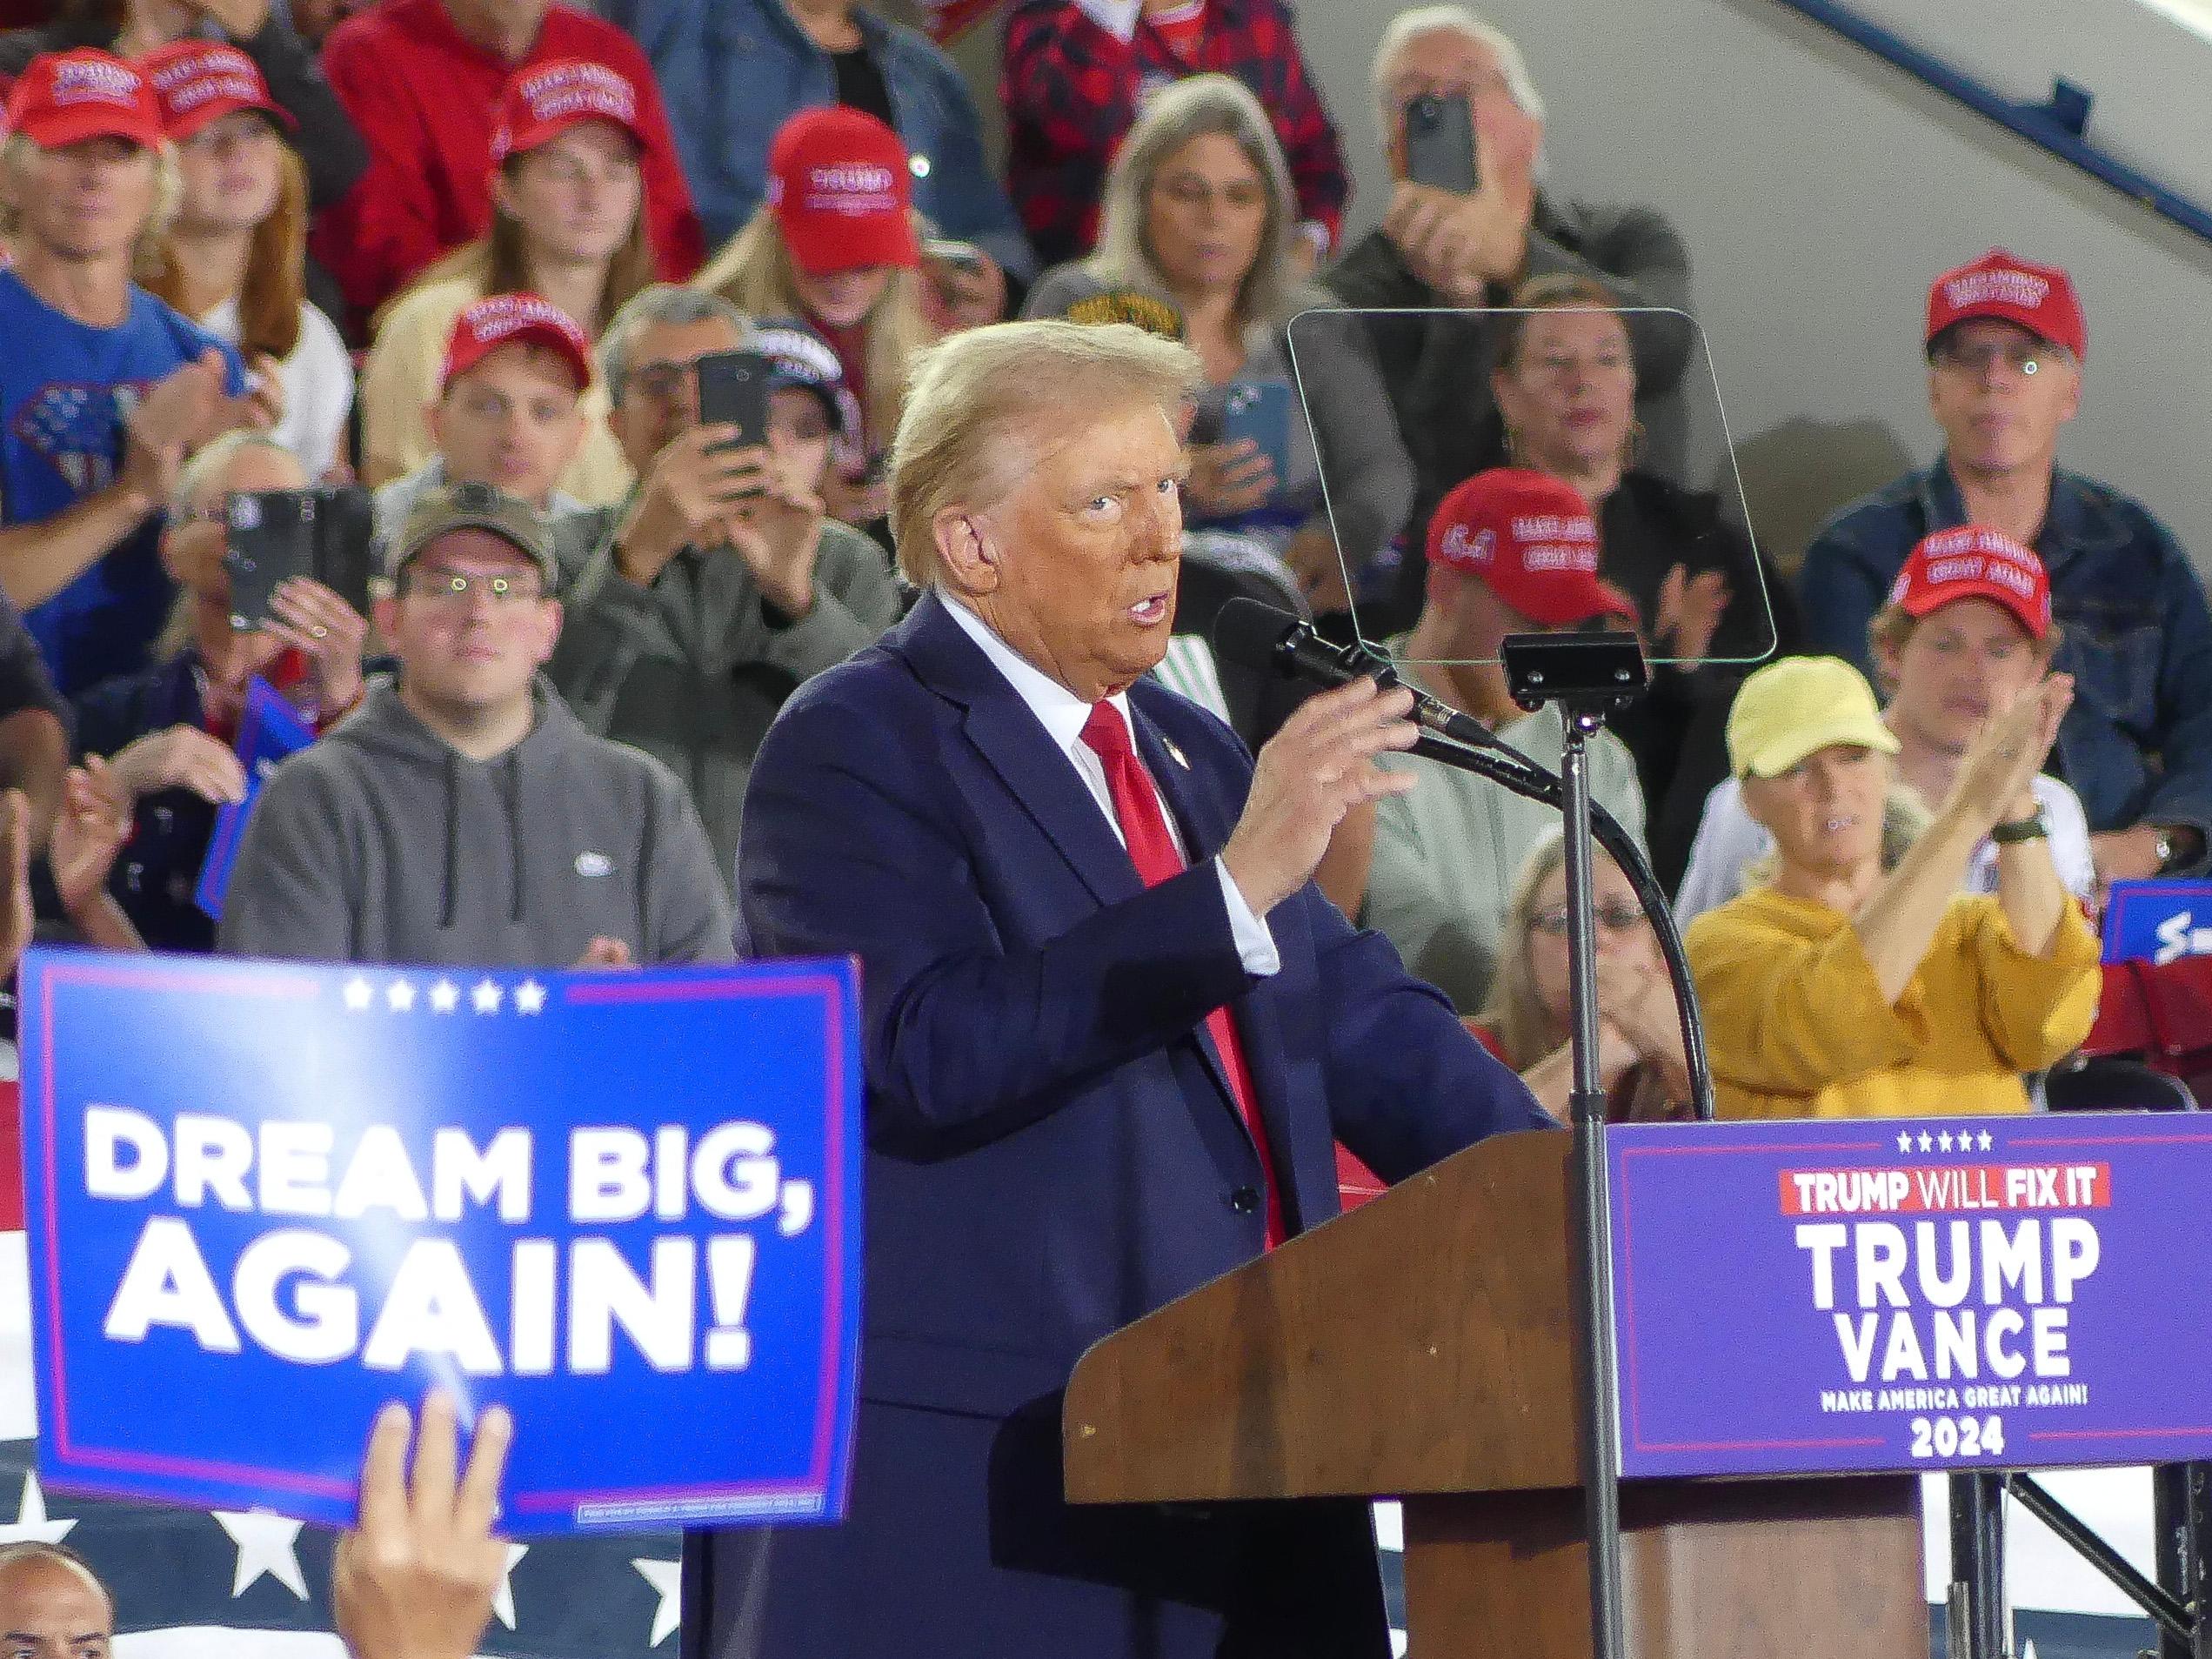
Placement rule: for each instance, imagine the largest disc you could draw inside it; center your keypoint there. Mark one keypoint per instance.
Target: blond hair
(1514, 1012)
(755, 273)
(960, 440)
(1200, 106)
(16, 152)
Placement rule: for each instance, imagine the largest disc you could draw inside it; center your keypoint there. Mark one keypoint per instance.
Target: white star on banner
(31, 1524)
(401, 994)
(503, 1604)
(1904, 1140)
(530, 997)
(1987, 1141)
(1944, 1140)
(486, 997)
(1926, 1140)
(268, 1545)
(445, 997)
(360, 994)
(667, 1579)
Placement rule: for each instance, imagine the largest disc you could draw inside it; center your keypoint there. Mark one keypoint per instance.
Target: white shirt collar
(1060, 710)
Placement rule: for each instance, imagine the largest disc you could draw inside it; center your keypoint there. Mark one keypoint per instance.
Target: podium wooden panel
(1422, 1348)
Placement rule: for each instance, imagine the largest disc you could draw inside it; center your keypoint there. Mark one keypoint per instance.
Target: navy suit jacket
(1054, 1150)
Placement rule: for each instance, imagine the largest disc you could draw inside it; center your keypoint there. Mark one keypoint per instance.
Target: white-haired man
(1441, 248)
(1111, 1026)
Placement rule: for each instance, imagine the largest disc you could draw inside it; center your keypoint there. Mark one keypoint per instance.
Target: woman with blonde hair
(1839, 986)
(1527, 1021)
(234, 257)
(835, 245)
(568, 224)
(1200, 212)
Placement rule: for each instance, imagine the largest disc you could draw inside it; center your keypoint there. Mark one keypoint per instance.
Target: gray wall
(1820, 192)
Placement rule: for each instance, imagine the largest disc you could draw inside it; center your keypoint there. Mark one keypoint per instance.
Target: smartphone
(963, 257)
(1259, 410)
(733, 392)
(345, 533)
(1439, 143)
(270, 539)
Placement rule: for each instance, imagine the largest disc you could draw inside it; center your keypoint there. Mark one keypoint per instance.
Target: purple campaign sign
(262, 1198)
(1882, 1293)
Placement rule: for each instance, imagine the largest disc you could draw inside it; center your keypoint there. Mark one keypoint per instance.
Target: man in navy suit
(1110, 1028)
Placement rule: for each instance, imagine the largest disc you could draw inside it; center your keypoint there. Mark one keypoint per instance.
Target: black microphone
(1257, 635)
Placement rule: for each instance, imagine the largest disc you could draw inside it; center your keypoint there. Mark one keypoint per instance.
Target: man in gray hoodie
(721, 584)
(462, 814)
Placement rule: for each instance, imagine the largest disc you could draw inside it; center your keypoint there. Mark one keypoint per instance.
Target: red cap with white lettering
(199, 82)
(541, 102)
(839, 185)
(502, 320)
(1531, 539)
(65, 97)
(2040, 298)
(1973, 562)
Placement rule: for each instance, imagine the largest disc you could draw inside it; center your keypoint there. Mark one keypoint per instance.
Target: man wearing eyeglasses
(462, 814)
(721, 584)
(2006, 342)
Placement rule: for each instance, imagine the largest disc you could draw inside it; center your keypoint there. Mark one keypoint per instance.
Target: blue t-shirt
(61, 439)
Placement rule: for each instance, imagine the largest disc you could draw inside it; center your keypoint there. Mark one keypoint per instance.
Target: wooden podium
(1422, 1348)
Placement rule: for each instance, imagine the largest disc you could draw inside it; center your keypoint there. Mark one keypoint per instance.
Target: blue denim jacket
(732, 71)
(2137, 744)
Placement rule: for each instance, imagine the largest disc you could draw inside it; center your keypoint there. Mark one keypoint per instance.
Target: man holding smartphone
(721, 584)
(1463, 126)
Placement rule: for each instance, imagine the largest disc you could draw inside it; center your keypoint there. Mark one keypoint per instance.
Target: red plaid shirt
(1070, 91)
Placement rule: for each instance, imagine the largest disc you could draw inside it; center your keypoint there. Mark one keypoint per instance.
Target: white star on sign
(360, 994)
(445, 997)
(1904, 1140)
(667, 1579)
(530, 997)
(401, 994)
(1989, 1140)
(486, 997)
(1944, 1140)
(31, 1524)
(1926, 1140)
(268, 1545)
(503, 1604)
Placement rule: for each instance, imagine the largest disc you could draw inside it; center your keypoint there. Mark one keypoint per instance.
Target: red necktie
(1151, 849)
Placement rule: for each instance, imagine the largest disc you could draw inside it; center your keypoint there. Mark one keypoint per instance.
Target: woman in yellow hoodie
(1837, 989)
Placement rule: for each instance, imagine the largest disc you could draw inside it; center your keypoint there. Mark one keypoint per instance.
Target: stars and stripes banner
(273, 1196)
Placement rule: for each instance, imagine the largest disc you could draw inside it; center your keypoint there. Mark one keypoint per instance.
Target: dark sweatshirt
(383, 843)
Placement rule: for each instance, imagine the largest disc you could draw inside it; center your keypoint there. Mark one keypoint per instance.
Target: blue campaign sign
(2157, 921)
(262, 1199)
(1884, 1294)
(269, 729)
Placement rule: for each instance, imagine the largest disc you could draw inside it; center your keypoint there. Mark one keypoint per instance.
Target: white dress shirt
(1063, 715)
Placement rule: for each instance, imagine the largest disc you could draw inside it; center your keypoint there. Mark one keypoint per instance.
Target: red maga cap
(502, 320)
(1973, 562)
(542, 101)
(198, 81)
(66, 97)
(1532, 540)
(839, 184)
(2040, 298)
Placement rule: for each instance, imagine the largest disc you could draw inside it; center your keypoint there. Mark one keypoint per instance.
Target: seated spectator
(568, 224)
(835, 245)
(103, 389)
(1077, 77)
(1509, 551)
(1967, 630)
(720, 586)
(415, 1580)
(1437, 248)
(330, 148)
(166, 735)
(1851, 983)
(462, 815)
(2005, 340)
(1529, 1019)
(737, 71)
(235, 258)
(1565, 386)
(509, 413)
(1197, 212)
(425, 81)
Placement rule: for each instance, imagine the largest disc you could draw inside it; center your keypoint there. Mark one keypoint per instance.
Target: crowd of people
(453, 274)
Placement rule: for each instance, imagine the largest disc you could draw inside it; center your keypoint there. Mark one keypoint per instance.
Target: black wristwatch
(2030, 829)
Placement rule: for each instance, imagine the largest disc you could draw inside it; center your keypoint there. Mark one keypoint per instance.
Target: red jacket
(425, 97)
